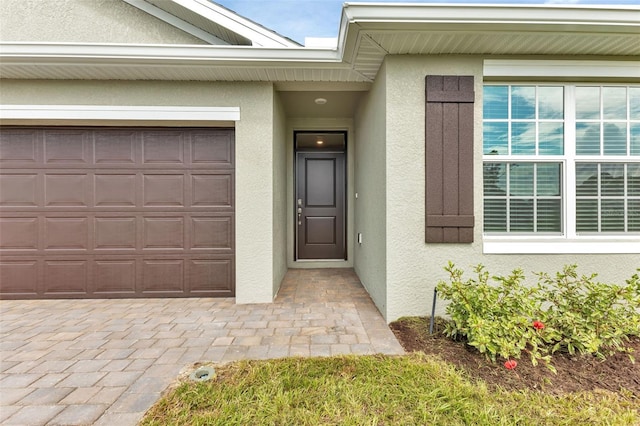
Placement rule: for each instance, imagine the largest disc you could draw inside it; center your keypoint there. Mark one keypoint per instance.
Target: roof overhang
(212, 22)
(368, 32)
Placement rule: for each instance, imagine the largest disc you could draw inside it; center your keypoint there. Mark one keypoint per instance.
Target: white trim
(259, 35)
(122, 113)
(618, 18)
(175, 21)
(513, 68)
(561, 246)
(41, 53)
(569, 177)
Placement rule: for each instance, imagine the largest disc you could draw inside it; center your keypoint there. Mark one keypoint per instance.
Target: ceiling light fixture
(319, 141)
(320, 101)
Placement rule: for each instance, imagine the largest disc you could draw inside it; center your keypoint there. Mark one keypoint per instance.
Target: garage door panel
(166, 147)
(115, 148)
(210, 275)
(116, 212)
(212, 233)
(19, 233)
(67, 146)
(212, 190)
(163, 275)
(115, 233)
(19, 190)
(67, 190)
(66, 277)
(212, 149)
(117, 277)
(19, 277)
(162, 190)
(66, 233)
(163, 233)
(20, 148)
(115, 190)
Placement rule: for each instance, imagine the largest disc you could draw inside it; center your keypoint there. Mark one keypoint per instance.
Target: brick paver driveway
(105, 362)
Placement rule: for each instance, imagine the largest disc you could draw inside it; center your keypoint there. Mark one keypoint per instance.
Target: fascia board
(494, 18)
(260, 36)
(26, 52)
(175, 21)
(347, 38)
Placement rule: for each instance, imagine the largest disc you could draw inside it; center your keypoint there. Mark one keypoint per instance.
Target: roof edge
(604, 17)
(160, 53)
(258, 34)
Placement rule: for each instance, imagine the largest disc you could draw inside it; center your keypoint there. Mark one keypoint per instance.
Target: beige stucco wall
(371, 185)
(88, 21)
(254, 152)
(279, 193)
(414, 267)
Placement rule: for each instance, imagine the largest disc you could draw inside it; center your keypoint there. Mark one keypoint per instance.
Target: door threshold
(320, 260)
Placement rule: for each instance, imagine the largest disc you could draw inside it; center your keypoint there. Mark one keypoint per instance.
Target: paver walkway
(105, 362)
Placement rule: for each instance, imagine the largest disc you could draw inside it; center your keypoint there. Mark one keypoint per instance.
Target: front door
(320, 205)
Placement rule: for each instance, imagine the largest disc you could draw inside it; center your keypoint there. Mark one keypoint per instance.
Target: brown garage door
(116, 212)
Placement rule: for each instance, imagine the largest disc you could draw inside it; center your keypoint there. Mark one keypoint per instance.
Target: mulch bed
(575, 373)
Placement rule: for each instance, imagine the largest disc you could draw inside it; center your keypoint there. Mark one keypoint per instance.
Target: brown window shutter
(449, 159)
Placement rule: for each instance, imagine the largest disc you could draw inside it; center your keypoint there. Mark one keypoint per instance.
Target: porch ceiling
(301, 104)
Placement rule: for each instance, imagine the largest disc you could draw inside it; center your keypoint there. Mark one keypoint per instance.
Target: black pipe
(433, 311)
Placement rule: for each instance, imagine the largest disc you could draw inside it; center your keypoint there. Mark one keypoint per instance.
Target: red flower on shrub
(538, 325)
(510, 364)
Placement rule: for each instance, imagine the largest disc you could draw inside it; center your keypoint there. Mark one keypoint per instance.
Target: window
(561, 163)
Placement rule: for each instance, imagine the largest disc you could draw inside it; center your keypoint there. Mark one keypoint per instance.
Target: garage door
(116, 212)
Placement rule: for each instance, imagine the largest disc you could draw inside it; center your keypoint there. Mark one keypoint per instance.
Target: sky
(298, 19)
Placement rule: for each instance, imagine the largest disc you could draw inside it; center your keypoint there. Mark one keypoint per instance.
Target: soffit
(179, 73)
(373, 46)
(368, 33)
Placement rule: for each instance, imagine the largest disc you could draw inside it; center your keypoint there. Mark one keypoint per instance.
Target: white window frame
(569, 241)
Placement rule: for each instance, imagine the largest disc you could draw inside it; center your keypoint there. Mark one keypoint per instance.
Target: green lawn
(372, 390)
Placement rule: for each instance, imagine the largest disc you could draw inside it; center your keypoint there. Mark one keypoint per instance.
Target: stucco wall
(254, 152)
(279, 194)
(89, 21)
(371, 185)
(414, 267)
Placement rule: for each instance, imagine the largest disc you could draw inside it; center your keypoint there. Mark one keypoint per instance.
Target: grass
(414, 389)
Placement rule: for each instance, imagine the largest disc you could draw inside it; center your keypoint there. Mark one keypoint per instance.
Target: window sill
(553, 245)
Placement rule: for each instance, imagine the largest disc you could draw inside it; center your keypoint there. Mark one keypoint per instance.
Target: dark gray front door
(320, 205)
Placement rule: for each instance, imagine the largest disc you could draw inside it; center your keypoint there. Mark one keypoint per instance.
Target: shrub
(564, 312)
(495, 319)
(589, 316)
